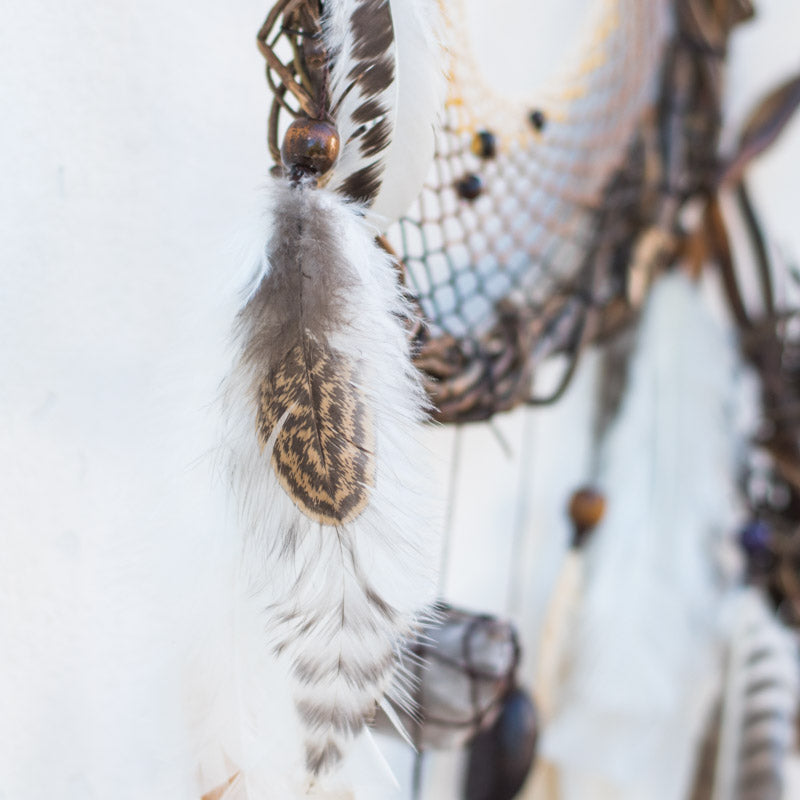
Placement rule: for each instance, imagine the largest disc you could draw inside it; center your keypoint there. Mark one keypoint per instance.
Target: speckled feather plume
(325, 408)
(327, 465)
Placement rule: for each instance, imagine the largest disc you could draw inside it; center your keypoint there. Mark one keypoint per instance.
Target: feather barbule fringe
(325, 407)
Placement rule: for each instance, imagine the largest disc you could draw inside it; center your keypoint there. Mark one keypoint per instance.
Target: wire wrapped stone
(467, 664)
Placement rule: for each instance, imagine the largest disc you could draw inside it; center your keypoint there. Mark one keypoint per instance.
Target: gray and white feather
(328, 468)
(325, 405)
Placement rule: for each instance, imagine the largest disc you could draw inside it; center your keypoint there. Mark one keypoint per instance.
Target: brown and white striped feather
(323, 452)
(363, 89)
(759, 705)
(386, 94)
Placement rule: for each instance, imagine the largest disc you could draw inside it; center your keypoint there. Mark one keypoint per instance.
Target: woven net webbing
(579, 205)
(530, 230)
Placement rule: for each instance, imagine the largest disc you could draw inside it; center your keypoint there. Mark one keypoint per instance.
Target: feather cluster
(327, 462)
(324, 407)
(644, 659)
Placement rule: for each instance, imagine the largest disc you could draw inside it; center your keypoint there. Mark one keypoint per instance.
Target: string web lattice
(534, 224)
(534, 231)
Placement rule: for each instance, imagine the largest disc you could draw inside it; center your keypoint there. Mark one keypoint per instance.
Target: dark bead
(484, 144)
(538, 119)
(754, 537)
(586, 508)
(470, 187)
(501, 756)
(310, 146)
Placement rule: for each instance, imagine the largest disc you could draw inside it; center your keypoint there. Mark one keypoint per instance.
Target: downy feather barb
(324, 407)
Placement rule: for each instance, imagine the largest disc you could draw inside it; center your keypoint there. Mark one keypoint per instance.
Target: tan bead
(310, 146)
(586, 509)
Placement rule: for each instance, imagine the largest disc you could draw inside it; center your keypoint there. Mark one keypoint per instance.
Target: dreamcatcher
(428, 243)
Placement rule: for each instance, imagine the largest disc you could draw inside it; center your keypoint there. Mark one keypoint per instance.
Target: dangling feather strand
(325, 402)
(387, 92)
(759, 704)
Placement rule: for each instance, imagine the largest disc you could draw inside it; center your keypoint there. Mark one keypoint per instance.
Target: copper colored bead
(586, 509)
(310, 146)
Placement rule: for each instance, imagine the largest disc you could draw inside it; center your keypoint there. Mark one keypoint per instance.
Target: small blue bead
(754, 537)
(470, 187)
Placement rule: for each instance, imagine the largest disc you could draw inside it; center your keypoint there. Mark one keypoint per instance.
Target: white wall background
(132, 145)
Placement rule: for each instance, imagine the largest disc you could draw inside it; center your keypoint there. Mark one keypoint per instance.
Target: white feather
(645, 651)
(410, 104)
(421, 88)
(308, 595)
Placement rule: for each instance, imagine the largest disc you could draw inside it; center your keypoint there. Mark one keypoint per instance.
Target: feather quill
(552, 652)
(703, 788)
(645, 653)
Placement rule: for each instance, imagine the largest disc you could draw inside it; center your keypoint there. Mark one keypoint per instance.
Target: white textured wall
(131, 147)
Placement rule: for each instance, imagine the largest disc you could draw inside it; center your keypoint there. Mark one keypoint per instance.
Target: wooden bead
(586, 508)
(310, 146)
(538, 119)
(469, 187)
(484, 144)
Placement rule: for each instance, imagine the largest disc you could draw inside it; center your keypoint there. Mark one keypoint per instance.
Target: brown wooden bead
(310, 146)
(586, 508)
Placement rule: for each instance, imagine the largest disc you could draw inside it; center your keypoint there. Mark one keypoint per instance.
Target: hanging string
(447, 532)
(416, 780)
(513, 604)
(444, 561)
(501, 439)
